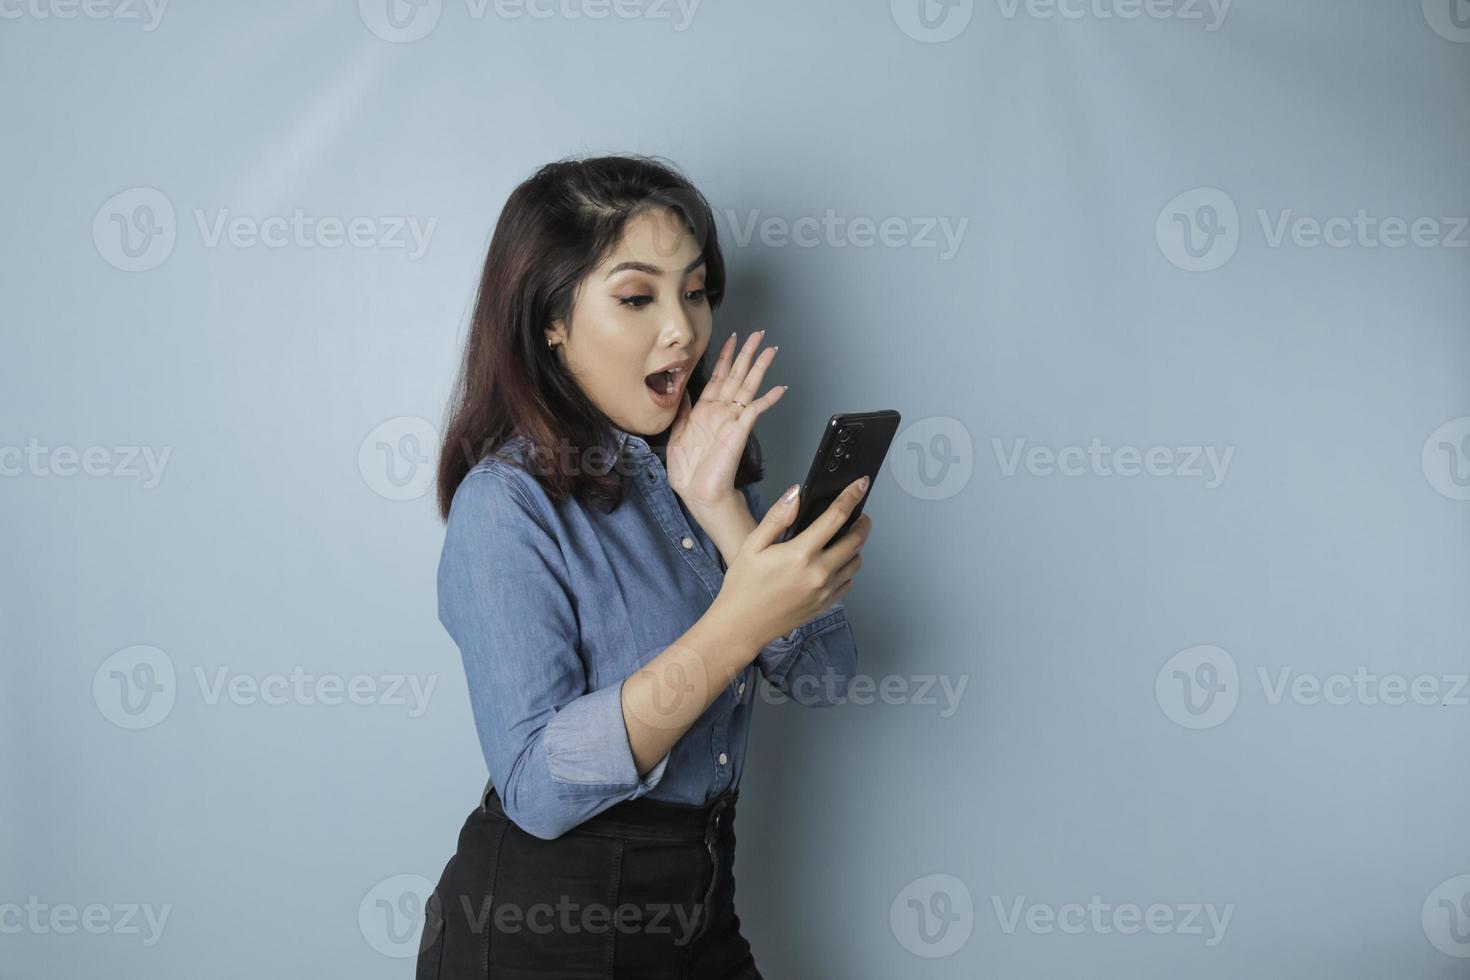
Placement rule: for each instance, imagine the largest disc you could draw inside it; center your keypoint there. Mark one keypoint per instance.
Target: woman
(611, 591)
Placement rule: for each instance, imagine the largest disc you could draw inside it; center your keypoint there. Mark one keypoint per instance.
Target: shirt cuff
(780, 655)
(587, 751)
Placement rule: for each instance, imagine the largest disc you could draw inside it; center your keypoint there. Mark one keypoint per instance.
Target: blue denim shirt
(553, 605)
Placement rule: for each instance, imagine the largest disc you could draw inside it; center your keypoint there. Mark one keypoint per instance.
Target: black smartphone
(853, 445)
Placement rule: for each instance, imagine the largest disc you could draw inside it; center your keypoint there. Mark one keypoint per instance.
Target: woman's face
(642, 310)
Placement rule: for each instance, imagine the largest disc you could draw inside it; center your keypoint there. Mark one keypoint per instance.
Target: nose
(678, 327)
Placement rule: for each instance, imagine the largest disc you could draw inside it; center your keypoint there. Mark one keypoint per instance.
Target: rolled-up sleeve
(815, 662)
(557, 752)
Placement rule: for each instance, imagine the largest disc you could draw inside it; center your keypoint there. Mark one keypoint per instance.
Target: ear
(556, 333)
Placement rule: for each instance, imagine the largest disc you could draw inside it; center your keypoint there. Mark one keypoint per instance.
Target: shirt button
(687, 543)
(724, 758)
(741, 688)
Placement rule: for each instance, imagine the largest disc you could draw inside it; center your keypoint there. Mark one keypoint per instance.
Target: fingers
(843, 576)
(821, 530)
(751, 412)
(778, 518)
(730, 384)
(768, 399)
(840, 552)
(682, 415)
(722, 366)
(752, 381)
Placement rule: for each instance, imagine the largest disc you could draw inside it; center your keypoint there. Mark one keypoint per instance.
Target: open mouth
(666, 386)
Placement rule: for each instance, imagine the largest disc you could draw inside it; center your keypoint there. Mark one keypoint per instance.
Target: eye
(696, 295)
(637, 302)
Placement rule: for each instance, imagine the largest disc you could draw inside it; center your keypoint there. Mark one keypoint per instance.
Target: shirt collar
(633, 446)
(624, 437)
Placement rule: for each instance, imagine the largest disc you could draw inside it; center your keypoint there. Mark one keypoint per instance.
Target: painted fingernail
(790, 493)
(863, 483)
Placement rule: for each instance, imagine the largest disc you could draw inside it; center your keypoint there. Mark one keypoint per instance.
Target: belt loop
(712, 828)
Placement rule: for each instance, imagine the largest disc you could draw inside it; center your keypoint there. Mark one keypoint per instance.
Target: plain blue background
(289, 530)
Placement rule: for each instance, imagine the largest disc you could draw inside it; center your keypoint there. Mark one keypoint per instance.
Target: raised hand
(707, 438)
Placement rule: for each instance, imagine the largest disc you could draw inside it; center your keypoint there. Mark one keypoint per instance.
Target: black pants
(643, 890)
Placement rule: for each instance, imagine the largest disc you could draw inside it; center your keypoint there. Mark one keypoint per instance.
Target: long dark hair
(556, 227)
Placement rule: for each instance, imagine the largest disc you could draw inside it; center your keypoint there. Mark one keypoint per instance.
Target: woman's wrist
(727, 522)
(726, 634)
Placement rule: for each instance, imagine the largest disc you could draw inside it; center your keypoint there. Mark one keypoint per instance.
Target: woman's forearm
(669, 693)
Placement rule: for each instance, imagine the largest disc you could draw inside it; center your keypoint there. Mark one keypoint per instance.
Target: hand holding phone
(772, 587)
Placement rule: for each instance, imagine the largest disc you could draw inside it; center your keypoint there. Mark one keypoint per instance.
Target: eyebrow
(652, 270)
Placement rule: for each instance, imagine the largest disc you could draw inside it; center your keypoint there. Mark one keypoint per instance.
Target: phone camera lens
(844, 434)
